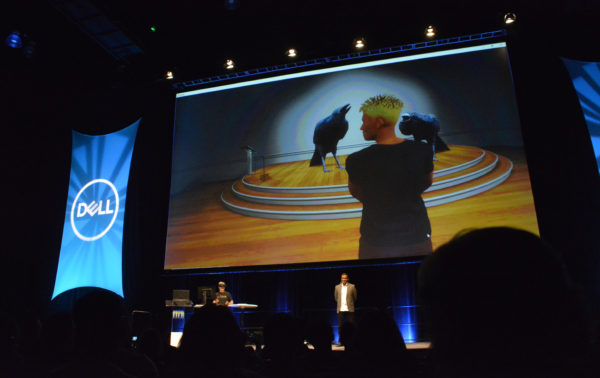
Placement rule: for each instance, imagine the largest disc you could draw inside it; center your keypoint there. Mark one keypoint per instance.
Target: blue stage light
(14, 40)
(232, 4)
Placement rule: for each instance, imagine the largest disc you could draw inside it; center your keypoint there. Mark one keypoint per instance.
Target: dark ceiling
(194, 38)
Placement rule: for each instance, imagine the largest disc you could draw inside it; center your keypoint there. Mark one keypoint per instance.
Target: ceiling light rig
(430, 31)
(229, 64)
(359, 43)
(510, 18)
(291, 53)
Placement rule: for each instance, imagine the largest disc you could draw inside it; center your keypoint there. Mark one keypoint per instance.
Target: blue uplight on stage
(14, 40)
(92, 241)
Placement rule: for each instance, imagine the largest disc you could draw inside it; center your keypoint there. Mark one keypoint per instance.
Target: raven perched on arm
(423, 127)
(327, 134)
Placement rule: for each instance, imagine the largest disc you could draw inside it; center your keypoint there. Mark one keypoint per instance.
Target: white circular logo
(98, 207)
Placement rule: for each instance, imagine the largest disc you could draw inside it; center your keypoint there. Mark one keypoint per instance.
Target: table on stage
(241, 306)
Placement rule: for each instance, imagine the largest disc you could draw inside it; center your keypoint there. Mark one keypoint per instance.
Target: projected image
(260, 173)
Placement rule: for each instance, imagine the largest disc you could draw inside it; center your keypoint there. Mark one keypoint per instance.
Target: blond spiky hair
(385, 106)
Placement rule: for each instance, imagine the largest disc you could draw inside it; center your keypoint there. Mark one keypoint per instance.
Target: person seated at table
(222, 297)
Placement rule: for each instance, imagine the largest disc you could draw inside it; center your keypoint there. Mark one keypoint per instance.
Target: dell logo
(94, 209)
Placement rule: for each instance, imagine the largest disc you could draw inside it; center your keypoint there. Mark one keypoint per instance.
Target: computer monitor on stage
(205, 295)
(181, 297)
(181, 294)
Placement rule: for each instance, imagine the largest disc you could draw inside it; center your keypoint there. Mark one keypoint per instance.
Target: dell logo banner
(91, 251)
(87, 216)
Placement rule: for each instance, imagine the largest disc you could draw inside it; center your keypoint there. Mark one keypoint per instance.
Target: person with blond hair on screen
(389, 177)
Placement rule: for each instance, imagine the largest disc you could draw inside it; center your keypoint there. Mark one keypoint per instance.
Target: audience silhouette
(212, 345)
(380, 346)
(284, 351)
(499, 303)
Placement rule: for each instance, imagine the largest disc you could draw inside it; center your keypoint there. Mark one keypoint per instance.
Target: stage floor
(203, 233)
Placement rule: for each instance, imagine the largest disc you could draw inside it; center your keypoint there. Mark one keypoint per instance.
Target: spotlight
(229, 64)
(169, 75)
(430, 31)
(359, 43)
(291, 53)
(14, 40)
(153, 28)
(232, 4)
(509, 18)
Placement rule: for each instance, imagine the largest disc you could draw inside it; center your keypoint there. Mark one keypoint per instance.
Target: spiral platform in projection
(295, 191)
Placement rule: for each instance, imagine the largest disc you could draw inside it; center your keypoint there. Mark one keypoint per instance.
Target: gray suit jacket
(350, 296)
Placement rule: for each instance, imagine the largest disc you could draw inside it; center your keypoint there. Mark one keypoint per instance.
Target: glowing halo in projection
(344, 88)
(94, 209)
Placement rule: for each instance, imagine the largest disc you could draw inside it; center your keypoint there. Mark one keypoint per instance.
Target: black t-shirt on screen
(392, 179)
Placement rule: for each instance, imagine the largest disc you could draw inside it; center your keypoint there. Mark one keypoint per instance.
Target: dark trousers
(343, 318)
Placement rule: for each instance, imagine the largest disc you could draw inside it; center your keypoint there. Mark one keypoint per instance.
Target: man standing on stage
(222, 297)
(345, 296)
(389, 178)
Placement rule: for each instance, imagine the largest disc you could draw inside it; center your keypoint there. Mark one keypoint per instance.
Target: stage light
(291, 53)
(232, 4)
(229, 64)
(430, 31)
(359, 43)
(152, 28)
(14, 40)
(509, 18)
(169, 75)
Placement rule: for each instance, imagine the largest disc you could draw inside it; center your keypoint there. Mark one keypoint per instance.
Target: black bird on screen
(328, 133)
(423, 127)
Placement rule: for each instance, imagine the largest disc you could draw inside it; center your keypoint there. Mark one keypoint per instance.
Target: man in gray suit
(345, 296)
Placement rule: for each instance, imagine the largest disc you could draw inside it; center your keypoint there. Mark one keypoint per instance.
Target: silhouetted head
(212, 336)
(97, 318)
(499, 298)
(377, 336)
(151, 343)
(282, 336)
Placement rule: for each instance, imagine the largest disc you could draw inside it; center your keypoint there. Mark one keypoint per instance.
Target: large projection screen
(242, 190)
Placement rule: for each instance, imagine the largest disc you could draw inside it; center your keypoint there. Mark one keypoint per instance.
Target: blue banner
(92, 241)
(586, 80)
